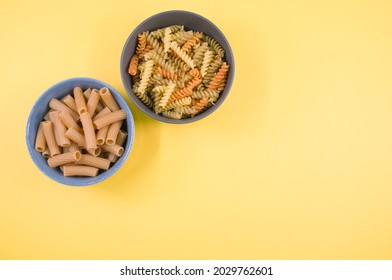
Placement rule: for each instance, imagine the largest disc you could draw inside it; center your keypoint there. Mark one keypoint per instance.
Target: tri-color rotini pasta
(178, 73)
(81, 134)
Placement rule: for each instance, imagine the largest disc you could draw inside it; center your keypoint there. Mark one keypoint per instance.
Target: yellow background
(296, 163)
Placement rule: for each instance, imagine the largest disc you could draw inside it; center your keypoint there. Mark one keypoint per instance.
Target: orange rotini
(133, 65)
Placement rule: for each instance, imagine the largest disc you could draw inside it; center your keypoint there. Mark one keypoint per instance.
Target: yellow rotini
(82, 133)
(180, 73)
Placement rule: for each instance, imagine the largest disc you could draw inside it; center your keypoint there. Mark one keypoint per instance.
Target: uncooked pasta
(178, 73)
(81, 134)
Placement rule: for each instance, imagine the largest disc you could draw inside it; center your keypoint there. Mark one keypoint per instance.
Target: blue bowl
(41, 107)
(191, 21)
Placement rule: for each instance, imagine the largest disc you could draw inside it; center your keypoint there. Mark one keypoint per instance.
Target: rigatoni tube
(64, 158)
(68, 121)
(114, 149)
(79, 100)
(110, 118)
(113, 130)
(101, 163)
(47, 128)
(56, 104)
(89, 131)
(79, 170)
(70, 102)
(40, 142)
(76, 136)
(92, 102)
(108, 99)
(59, 129)
(121, 137)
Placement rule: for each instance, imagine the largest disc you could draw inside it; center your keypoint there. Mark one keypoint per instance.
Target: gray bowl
(191, 21)
(41, 107)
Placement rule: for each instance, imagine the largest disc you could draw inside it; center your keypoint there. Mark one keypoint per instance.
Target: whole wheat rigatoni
(78, 128)
(40, 142)
(110, 118)
(59, 129)
(80, 101)
(89, 132)
(47, 128)
(108, 99)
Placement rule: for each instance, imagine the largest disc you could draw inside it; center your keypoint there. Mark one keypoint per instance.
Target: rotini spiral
(193, 83)
(167, 74)
(222, 84)
(160, 60)
(199, 54)
(145, 50)
(135, 86)
(211, 71)
(214, 45)
(176, 28)
(145, 77)
(201, 104)
(195, 73)
(186, 110)
(135, 79)
(215, 82)
(160, 33)
(205, 93)
(145, 99)
(159, 89)
(155, 44)
(166, 95)
(178, 63)
(207, 59)
(167, 38)
(133, 65)
(186, 58)
(181, 93)
(192, 41)
(156, 79)
(142, 40)
(172, 114)
(177, 103)
(156, 95)
(182, 36)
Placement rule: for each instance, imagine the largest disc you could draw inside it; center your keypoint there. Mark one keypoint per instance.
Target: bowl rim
(148, 111)
(87, 180)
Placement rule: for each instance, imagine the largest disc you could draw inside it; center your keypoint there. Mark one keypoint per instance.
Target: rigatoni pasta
(92, 102)
(112, 133)
(89, 160)
(59, 129)
(80, 101)
(70, 102)
(73, 135)
(89, 131)
(57, 105)
(114, 149)
(109, 118)
(121, 137)
(68, 121)
(79, 170)
(40, 142)
(108, 99)
(50, 139)
(171, 64)
(64, 158)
